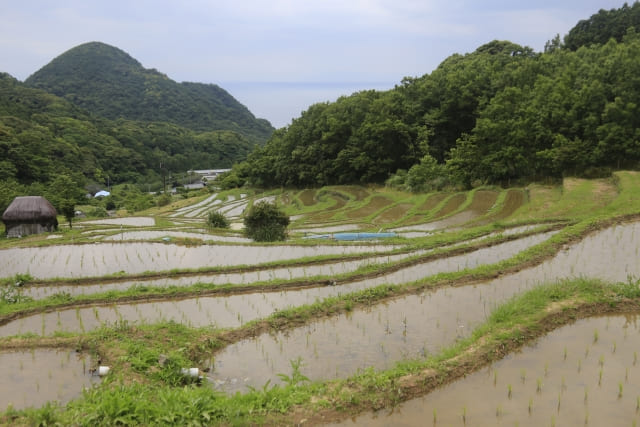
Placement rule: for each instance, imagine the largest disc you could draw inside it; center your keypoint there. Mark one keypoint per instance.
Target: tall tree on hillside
(65, 193)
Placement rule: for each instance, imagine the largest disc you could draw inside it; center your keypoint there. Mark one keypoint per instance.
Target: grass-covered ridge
(145, 386)
(162, 397)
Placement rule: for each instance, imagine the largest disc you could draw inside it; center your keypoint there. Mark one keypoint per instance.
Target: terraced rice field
(334, 320)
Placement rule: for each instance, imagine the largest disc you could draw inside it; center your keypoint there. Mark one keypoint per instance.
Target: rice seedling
(595, 336)
(539, 385)
(530, 408)
(620, 388)
(600, 377)
(523, 375)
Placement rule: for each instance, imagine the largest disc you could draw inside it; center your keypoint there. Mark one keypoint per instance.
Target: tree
(265, 222)
(217, 220)
(64, 193)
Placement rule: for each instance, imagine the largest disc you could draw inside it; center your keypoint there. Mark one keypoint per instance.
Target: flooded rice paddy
(101, 259)
(35, 377)
(586, 373)
(235, 310)
(134, 221)
(412, 325)
(154, 235)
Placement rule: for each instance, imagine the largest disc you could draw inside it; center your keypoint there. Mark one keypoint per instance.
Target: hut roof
(29, 208)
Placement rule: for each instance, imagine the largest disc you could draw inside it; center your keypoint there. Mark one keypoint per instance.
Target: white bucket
(103, 370)
(192, 372)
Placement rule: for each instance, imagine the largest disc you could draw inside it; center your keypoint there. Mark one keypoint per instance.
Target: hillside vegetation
(109, 83)
(43, 136)
(500, 114)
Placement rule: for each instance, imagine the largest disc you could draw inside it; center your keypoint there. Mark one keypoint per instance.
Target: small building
(29, 215)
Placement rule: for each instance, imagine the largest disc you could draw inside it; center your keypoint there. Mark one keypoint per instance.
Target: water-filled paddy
(134, 221)
(581, 374)
(34, 377)
(441, 316)
(234, 310)
(101, 259)
(154, 235)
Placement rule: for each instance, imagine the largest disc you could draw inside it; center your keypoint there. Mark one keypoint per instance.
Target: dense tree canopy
(42, 136)
(107, 82)
(499, 114)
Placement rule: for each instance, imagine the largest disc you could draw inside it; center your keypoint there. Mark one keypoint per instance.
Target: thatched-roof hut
(29, 215)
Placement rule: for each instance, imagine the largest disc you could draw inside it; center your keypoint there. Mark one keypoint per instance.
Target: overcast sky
(320, 48)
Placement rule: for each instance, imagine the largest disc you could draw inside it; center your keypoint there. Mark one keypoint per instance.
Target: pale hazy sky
(346, 45)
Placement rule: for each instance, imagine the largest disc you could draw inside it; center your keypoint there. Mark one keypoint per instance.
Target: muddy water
(34, 377)
(133, 258)
(328, 269)
(203, 210)
(376, 203)
(329, 229)
(566, 378)
(39, 292)
(151, 235)
(393, 214)
(128, 221)
(432, 201)
(308, 197)
(189, 208)
(513, 200)
(482, 201)
(440, 316)
(233, 311)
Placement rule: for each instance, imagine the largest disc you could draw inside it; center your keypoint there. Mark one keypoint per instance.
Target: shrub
(163, 200)
(266, 223)
(217, 220)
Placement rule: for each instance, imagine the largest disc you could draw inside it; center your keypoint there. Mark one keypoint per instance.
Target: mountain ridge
(108, 82)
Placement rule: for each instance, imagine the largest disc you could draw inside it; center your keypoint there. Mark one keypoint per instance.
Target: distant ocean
(280, 102)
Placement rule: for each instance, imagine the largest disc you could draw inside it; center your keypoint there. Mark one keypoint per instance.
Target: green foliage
(108, 82)
(265, 222)
(217, 220)
(296, 377)
(65, 193)
(163, 200)
(602, 26)
(42, 135)
(11, 289)
(501, 115)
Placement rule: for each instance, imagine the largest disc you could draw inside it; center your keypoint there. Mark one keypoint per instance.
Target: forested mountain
(109, 83)
(43, 136)
(498, 114)
(604, 25)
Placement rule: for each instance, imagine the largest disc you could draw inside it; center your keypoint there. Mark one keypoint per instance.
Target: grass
(142, 396)
(147, 388)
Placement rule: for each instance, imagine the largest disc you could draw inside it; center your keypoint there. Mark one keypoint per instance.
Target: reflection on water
(581, 374)
(234, 310)
(134, 258)
(34, 377)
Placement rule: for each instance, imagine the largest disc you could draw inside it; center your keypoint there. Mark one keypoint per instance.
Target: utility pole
(164, 183)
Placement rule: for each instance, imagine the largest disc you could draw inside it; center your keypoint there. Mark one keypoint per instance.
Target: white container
(191, 372)
(103, 370)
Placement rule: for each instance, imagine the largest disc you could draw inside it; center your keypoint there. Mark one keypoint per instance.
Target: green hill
(107, 82)
(43, 136)
(501, 114)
